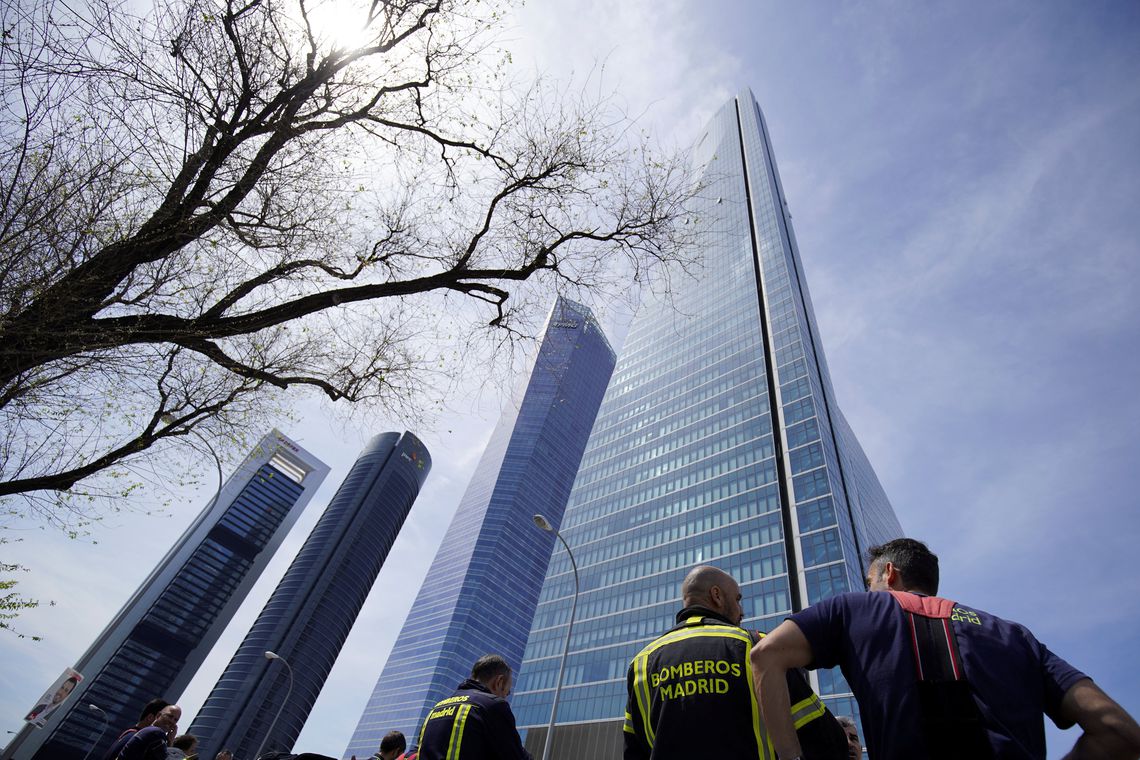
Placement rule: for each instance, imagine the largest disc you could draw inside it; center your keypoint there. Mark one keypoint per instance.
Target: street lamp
(288, 692)
(103, 730)
(543, 523)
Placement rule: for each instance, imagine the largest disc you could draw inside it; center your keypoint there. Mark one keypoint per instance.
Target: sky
(963, 183)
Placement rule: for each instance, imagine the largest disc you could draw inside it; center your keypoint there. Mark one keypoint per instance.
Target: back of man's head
(487, 667)
(917, 565)
(393, 741)
(185, 742)
(698, 584)
(152, 709)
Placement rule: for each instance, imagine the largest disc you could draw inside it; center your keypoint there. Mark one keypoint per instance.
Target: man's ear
(892, 575)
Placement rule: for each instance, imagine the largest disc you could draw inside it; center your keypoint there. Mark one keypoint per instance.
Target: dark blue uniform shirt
(1014, 677)
(472, 724)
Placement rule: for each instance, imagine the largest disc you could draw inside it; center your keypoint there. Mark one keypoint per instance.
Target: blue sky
(963, 183)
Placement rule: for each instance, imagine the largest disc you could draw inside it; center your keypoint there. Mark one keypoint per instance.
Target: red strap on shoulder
(927, 606)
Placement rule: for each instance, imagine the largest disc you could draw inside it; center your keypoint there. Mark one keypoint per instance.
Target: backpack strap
(952, 722)
(936, 656)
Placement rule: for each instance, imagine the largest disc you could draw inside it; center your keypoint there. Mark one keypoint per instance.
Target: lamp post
(288, 693)
(103, 730)
(543, 523)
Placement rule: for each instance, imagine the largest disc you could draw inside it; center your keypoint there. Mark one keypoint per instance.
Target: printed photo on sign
(55, 696)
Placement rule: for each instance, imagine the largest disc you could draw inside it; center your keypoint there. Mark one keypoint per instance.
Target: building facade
(719, 441)
(479, 594)
(156, 643)
(260, 703)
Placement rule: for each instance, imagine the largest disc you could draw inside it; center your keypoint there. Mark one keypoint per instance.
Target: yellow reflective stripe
(423, 729)
(810, 700)
(684, 633)
(807, 710)
(763, 743)
(628, 727)
(641, 688)
(457, 732)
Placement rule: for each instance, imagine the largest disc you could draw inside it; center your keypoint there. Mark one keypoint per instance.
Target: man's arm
(1109, 732)
(780, 651)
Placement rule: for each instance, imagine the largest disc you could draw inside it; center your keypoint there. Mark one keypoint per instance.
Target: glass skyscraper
(259, 702)
(479, 595)
(719, 441)
(156, 643)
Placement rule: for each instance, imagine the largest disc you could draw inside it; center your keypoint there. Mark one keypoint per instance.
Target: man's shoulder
(483, 699)
(974, 621)
(694, 627)
(837, 618)
(142, 741)
(843, 604)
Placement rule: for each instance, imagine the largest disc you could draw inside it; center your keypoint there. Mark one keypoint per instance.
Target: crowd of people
(933, 678)
(155, 737)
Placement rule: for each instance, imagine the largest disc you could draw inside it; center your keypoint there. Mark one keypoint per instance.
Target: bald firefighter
(690, 690)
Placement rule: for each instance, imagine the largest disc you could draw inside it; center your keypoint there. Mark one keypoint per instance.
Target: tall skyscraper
(158, 640)
(260, 702)
(719, 441)
(480, 592)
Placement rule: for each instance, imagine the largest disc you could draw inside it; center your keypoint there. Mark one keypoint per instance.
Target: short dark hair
(917, 564)
(393, 740)
(185, 742)
(153, 707)
(489, 666)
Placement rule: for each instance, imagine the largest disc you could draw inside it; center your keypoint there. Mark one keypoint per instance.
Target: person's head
(903, 565)
(715, 589)
(167, 718)
(225, 754)
(186, 742)
(854, 747)
(64, 690)
(151, 710)
(492, 671)
(392, 745)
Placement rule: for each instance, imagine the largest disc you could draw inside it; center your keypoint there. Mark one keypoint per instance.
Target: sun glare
(341, 24)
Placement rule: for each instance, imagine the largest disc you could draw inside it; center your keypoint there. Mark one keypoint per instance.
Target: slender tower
(263, 703)
(156, 643)
(480, 592)
(719, 441)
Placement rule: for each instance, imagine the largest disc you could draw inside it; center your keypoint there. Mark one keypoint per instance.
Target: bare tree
(217, 200)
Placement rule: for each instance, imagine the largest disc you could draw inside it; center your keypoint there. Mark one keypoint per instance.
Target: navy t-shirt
(147, 744)
(1014, 677)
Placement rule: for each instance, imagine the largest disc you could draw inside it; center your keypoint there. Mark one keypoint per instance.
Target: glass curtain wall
(719, 442)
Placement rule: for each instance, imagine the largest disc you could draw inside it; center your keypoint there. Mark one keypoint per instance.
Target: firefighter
(690, 690)
(935, 678)
(475, 723)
